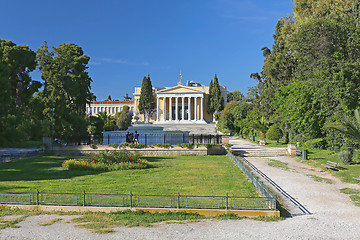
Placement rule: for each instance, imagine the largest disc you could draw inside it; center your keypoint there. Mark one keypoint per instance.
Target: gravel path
(333, 216)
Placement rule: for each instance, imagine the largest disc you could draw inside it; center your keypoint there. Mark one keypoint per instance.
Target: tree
(350, 127)
(216, 100)
(17, 63)
(235, 96)
(67, 87)
(123, 118)
(16, 91)
(147, 100)
(274, 133)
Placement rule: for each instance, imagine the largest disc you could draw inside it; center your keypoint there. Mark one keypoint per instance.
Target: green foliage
(133, 145)
(235, 96)
(160, 145)
(309, 77)
(123, 119)
(316, 143)
(66, 88)
(187, 145)
(274, 133)
(107, 161)
(216, 100)
(345, 157)
(147, 100)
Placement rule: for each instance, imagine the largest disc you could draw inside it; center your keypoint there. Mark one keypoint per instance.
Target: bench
(331, 165)
(356, 178)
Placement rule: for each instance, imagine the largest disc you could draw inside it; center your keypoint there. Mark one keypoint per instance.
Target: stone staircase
(261, 152)
(195, 128)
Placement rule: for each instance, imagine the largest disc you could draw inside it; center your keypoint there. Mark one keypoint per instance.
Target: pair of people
(132, 137)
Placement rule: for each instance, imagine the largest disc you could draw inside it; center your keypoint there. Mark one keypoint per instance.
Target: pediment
(180, 89)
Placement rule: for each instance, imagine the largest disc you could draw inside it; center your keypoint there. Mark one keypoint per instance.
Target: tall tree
(17, 63)
(216, 100)
(67, 86)
(147, 100)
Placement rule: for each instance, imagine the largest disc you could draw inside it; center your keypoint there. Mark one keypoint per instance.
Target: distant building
(109, 106)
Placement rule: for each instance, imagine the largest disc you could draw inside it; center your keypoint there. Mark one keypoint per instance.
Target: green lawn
(189, 175)
(318, 157)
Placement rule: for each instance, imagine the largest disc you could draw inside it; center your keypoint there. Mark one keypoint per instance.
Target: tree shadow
(43, 167)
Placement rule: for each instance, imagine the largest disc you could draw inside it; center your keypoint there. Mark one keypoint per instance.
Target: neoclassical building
(180, 104)
(109, 106)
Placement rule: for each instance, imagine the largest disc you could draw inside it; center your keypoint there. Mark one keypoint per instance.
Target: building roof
(112, 102)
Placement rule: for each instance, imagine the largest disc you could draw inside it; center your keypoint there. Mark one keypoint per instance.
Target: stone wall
(151, 151)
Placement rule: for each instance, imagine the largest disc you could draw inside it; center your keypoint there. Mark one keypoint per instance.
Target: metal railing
(83, 139)
(205, 138)
(254, 180)
(137, 200)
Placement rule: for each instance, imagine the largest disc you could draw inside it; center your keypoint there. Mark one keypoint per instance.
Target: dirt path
(333, 215)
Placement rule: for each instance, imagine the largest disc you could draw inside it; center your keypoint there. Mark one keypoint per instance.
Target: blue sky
(128, 39)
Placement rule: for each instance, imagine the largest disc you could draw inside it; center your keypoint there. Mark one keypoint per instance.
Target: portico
(180, 104)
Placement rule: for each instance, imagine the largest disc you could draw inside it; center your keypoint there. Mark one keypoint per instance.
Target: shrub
(187, 145)
(317, 143)
(132, 145)
(107, 161)
(113, 145)
(93, 146)
(345, 157)
(274, 133)
(160, 145)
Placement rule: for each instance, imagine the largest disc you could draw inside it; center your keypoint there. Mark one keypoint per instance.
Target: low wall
(155, 151)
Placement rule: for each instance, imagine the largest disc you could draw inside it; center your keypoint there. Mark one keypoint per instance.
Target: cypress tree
(147, 100)
(216, 99)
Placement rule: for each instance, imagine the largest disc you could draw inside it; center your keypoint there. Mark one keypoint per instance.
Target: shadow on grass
(43, 167)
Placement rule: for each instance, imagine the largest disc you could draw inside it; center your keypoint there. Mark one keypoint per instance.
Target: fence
(254, 180)
(205, 139)
(84, 139)
(135, 200)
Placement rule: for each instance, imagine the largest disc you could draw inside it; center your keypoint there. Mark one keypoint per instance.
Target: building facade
(109, 106)
(180, 104)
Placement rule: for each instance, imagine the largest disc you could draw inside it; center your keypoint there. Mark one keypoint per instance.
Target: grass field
(190, 175)
(346, 173)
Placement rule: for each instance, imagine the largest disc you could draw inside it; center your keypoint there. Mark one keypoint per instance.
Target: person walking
(136, 137)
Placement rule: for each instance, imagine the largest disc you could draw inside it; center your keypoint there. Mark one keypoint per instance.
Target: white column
(170, 109)
(177, 108)
(182, 108)
(195, 109)
(189, 108)
(164, 117)
(202, 109)
(157, 109)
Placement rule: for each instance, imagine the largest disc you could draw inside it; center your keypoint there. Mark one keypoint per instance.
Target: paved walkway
(333, 215)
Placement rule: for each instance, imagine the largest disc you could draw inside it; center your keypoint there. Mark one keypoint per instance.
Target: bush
(107, 161)
(316, 143)
(345, 157)
(132, 145)
(160, 145)
(274, 133)
(187, 145)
